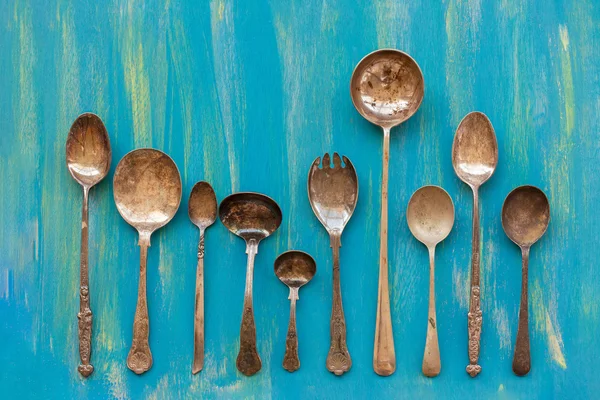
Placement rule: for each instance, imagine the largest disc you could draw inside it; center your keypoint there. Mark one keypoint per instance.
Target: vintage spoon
(387, 88)
(430, 216)
(295, 269)
(88, 161)
(474, 158)
(202, 209)
(333, 193)
(253, 217)
(147, 189)
(525, 218)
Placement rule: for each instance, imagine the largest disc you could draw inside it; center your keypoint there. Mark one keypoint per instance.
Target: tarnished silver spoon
(88, 161)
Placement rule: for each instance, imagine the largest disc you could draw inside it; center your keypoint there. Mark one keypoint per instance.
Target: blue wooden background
(246, 95)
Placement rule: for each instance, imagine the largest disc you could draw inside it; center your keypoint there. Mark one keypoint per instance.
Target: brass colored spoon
(387, 88)
(430, 216)
(474, 158)
(295, 269)
(88, 160)
(525, 218)
(147, 189)
(202, 209)
(253, 217)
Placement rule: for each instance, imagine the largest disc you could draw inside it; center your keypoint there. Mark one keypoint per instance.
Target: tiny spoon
(387, 88)
(253, 217)
(430, 216)
(525, 218)
(295, 269)
(88, 161)
(474, 158)
(202, 209)
(147, 190)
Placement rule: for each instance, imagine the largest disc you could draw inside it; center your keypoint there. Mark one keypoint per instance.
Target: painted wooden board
(246, 95)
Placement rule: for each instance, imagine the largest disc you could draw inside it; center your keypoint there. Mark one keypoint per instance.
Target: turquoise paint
(246, 96)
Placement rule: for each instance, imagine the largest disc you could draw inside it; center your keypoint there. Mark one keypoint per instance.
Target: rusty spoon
(202, 210)
(525, 218)
(295, 269)
(253, 217)
(474, 158)
(88, 160)
(147, 190)
(430, 216)
(387, 88)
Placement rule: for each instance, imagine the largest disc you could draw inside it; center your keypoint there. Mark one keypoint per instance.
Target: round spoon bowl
(147, 189)
(475, 149)
(387, 87)
(250, 215)
(202, 206)
(525, 215)
(295, 268)
(88, 150)
(430, 215)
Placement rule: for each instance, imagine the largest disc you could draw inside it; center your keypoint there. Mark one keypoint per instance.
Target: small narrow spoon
(525, 218)
(202, 209)
(474, 158)
(295, 269)
(430, 216)
(88, 160)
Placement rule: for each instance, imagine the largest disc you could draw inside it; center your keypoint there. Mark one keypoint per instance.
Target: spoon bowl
(202, 206)
(295, 268)
(525, 215)
(430, 215)
(387, 87)
(250, 215)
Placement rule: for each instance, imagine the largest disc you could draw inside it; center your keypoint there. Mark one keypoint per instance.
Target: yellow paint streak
(116, 380)
(545, 321)
(389, 31)
(461, 283)
(138, 89)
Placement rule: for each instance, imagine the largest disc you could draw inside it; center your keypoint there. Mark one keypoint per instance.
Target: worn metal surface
(245, 95)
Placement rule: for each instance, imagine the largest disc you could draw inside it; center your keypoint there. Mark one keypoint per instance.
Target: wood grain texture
(245, 95)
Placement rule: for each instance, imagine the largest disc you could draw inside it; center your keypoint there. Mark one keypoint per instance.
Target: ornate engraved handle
(291, 361)
(338, 359)
(522, 357)
(198, 363)
(85, 313)
(248, 361)
(432, 363)
(474, 316)
(139, 359)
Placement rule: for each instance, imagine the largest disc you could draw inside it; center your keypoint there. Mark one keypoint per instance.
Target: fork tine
(348, 163)
(326, 161)
(337, 162)
(315, 164)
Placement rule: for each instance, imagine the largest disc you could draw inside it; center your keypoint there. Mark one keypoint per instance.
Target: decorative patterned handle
(291, 361)
(522, 357)
(474, 316)
(139, 359)
(85, 313)
(338, 359)
(248, 361)
(198, 362)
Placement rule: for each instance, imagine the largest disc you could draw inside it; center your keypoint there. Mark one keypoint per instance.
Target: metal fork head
(333, 191)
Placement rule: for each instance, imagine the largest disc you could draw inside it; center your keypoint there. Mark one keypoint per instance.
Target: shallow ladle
(474, 158)
(525, 218)
(430, 216)
(253, 217)
(387, 88)
(295, 269)
(88, 161)
(147, 189)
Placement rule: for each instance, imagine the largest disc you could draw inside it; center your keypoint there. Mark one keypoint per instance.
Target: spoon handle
(338, 359)
(522, 357)
(291, 361)
(384, 356)
(199, 310)
(431, 359)
(85, 313)
(248, 361)
(139, 359)
(475, 316)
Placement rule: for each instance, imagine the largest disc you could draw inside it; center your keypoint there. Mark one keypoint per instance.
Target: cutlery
(253, 217)
(525, 218)
(88, 160)
(147, 190)
(474, 158)
(387, 88)
(333, 193)
(295, 269)
(202, 210)
(430, 216)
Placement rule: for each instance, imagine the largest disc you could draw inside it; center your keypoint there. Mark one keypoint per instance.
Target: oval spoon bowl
(295, 268)
(525, 215)
(250, 215)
